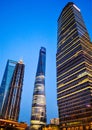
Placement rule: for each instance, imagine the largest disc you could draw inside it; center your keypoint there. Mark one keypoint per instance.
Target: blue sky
(25, 26)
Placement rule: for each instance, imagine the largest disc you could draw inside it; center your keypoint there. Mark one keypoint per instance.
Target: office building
(4, 88)
(38, 115)
(74, 70)
(11, 106)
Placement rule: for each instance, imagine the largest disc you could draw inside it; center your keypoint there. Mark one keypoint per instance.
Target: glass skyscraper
(38, 115)
(74, 70)
(4, 88)
(11, 106)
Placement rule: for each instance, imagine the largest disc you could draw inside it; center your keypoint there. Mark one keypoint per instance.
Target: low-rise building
(12, 124)
(50, 127)
(54, 121)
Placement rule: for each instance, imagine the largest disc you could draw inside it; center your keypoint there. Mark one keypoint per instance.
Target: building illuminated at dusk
(38, 115)
(74, 70)
(11, 105)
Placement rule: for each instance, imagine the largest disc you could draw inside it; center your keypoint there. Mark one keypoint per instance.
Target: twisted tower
(38, 117)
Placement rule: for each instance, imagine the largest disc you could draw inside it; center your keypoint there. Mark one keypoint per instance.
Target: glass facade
(38, 116)
(74, 70)
(4, 88)
(11, 106)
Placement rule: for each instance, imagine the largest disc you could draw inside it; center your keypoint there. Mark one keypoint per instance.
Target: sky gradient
(25, 26)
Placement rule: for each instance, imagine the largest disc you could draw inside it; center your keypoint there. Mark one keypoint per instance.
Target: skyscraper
(74, 70)
(38, 116)
(4, 88)
(11, 106)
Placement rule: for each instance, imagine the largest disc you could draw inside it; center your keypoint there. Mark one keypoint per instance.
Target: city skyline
(21, 34)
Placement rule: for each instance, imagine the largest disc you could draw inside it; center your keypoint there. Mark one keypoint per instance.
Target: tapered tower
(74, 70)
(38, 116)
